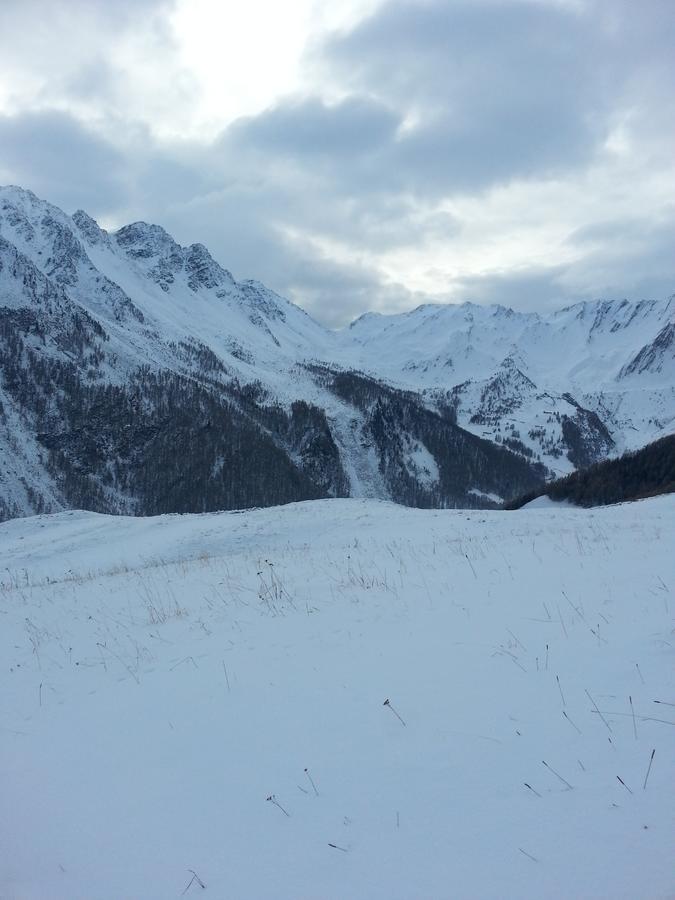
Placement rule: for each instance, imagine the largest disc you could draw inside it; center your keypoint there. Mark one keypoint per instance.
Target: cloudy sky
(362, 154)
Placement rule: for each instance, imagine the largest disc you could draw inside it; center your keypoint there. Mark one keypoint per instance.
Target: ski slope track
(339, 698)
(120, 352)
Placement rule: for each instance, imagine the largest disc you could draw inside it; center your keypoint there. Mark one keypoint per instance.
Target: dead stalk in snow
(571, 722)
(559, 777)
(598, 711)
(649, 768)
(311, 781)
(471, 564)
(632, 711)
(194, 878)
(561, 620)
(562, 696)
(387, 703)
(624, 784)
(273, 799)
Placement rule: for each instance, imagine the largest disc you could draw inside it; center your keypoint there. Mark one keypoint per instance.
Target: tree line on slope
(633, 476)
(159, 441)
(397, 423)
(150, 441)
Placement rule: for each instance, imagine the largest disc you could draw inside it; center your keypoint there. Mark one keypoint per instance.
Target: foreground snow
(176, 688)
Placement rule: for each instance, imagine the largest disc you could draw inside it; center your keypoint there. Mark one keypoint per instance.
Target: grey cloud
(343, 150)
(60, 159)
(336, 293)
(311, 128)
(537, 289)
(442, 158)
(631, 257)
(499, 89)
(324, 170)
(65, 162)
(116, 15)
(625, 258)
(644, 231)
(240, 227)
(474, 56)
(167, 179)
(234, 222)
(440, 98)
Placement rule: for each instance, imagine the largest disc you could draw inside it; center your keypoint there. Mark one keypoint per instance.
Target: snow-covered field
(200, 700)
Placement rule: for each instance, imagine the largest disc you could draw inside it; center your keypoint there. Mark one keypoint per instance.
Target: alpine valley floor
(195, 705)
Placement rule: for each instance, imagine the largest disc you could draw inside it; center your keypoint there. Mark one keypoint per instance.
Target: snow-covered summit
(89, 229)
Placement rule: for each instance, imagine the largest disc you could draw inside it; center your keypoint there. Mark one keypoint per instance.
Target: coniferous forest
(633, 476)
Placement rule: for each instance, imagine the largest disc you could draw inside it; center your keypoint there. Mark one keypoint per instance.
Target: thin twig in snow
(571, 722)
(640, 718)
(273, 799)
(311, 781)
(471, 564)
(520, 644)
(649, 768)
(387, 703)
(624, 784)
(571, 787)
(632, 710)
(561, 620)
(194, 878)
(562, 696)
(598, 711)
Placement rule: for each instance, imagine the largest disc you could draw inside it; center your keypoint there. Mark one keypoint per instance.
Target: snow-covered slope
(616, 359)
(178, 293)
(123, 327)
(339, 699)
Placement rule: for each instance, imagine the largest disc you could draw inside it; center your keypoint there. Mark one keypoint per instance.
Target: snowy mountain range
(139, 376)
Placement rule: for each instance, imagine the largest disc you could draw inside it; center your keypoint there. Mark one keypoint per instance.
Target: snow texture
(339, 699)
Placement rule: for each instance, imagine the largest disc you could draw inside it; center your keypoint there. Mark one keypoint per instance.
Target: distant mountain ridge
(139, 376)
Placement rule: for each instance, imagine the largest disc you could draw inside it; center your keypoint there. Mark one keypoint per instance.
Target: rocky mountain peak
(142, 240)
(262, 300)
(154, 249)
(90, 229)
(203, 270)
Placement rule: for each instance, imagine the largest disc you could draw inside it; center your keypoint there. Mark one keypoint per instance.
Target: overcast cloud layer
(392, 153)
